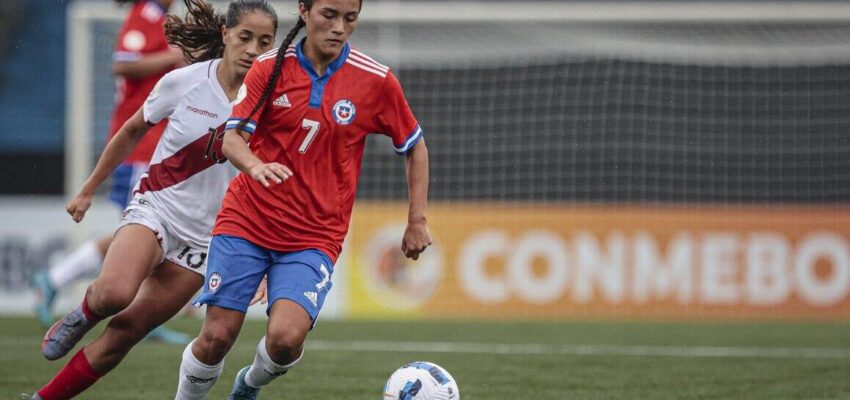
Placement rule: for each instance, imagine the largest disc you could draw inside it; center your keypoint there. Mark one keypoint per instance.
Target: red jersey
(141, 34)
(316, 126)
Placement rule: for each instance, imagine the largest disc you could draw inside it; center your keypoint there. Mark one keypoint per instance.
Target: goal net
(588, 158)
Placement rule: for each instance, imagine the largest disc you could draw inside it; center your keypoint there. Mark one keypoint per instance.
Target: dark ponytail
(199, 35)
(278, 62)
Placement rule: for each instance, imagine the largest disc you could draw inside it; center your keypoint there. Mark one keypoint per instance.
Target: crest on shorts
(344, 112)
(215, 282)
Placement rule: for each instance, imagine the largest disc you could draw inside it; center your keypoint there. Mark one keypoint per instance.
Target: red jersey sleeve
(395, 118)
(250, 93)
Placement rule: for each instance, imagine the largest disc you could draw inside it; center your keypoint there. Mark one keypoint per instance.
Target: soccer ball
(421, 380)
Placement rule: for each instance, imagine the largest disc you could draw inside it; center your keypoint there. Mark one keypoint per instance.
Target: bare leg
(161, 296)
(220, 330)
(203, 359)
(277, 352)
(130, 259)
(85, 260)
(287, 330)
(103, 244)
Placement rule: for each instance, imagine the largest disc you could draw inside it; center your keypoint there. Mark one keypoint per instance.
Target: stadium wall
(519, 261)
(34, 231)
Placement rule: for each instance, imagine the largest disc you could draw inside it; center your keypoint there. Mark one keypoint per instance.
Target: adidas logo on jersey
(313, 297)
(282, 101)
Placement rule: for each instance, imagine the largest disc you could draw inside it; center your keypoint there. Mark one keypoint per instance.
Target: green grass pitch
(494, 360)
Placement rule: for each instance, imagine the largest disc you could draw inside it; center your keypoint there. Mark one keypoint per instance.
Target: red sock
(88, 313)
(72, 380)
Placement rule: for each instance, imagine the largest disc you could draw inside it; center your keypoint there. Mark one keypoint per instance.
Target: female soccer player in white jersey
(156, 261)
(308, 107)
(142, 57)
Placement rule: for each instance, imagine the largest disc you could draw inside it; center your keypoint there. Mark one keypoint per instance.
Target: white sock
(196, 378)
(86, 259)
(264, 370)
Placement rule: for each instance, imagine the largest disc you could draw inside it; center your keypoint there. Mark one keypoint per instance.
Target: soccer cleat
(46, 298)
(27, 396)
(241, 390)
(168, 336)
(64, 335)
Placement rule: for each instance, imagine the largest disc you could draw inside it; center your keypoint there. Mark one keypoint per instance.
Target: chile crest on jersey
(344, 112)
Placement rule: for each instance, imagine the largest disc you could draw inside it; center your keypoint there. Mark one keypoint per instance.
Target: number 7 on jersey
(313, 127)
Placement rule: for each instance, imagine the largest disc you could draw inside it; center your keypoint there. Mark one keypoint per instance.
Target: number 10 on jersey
(313, 129)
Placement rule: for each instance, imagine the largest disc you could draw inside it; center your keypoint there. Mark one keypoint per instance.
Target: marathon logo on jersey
(201, 111)
(215, 282)
(344, 112)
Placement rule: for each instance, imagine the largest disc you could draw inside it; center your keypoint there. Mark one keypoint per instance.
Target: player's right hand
(269, 173)
(262, 294)
(78, 206)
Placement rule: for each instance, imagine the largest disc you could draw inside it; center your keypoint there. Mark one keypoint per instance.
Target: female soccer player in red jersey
(156, 262)
(142, 56)
(306, 111)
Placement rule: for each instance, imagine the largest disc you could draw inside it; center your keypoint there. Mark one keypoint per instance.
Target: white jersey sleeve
(163, 98)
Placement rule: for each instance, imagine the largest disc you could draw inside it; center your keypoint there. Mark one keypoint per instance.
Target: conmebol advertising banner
(528, 261)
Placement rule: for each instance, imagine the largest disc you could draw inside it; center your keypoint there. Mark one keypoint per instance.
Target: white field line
(539, 349)
(580, 350)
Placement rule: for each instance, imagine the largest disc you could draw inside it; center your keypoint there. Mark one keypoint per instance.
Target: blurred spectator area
(33, 42)
(9, 12)
(32, 95)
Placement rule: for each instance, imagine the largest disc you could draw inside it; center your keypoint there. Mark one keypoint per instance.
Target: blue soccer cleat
(46, 298)
(169, 336)
(65, 334)
(241, 390)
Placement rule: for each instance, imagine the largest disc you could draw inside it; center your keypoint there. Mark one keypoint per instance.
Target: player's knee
(106, 300)
(215, 342)
(285, 344)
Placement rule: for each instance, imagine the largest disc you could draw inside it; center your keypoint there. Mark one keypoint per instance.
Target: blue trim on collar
(319, 82)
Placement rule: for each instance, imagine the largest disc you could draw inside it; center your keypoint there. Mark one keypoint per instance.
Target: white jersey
(188, 174)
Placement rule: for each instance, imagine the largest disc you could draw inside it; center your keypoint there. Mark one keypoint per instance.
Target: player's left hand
(262, 294)
(416, 239)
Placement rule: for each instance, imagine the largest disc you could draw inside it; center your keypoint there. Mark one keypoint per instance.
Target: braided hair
(278, 62)
(199, 34)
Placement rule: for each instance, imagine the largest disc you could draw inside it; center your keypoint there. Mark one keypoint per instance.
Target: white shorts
(141, 212)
